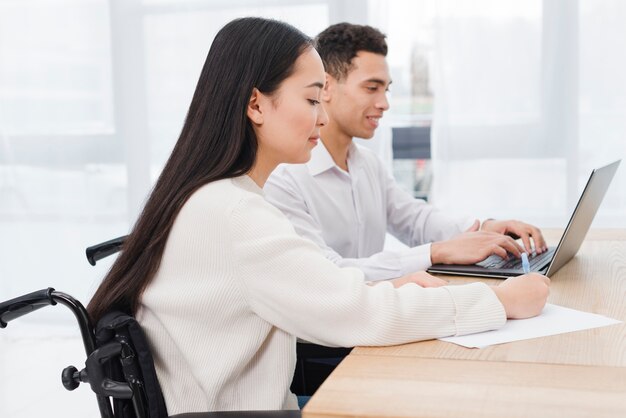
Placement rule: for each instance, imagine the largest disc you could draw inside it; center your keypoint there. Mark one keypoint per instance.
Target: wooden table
(578, 374)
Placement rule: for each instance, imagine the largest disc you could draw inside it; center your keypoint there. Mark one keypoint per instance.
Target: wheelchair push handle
(25, 304)
(104, 249)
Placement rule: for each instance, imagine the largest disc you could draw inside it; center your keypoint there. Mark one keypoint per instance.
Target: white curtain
(529, 97)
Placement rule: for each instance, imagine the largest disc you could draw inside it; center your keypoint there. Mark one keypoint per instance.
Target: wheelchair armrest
(25, 304)
(104, 249)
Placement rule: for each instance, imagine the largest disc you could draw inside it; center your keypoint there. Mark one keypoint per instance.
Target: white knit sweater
(237, 286)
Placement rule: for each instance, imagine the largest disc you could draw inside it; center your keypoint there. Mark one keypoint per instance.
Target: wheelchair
(119, 367)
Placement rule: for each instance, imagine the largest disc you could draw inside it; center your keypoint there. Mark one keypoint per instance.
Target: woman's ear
(329, 88)
(254, 109)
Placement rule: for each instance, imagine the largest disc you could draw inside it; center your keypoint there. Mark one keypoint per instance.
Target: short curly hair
(338, 45)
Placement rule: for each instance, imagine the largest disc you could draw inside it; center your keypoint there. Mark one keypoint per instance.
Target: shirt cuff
(477, 308)
(415, 259)
(483, 222)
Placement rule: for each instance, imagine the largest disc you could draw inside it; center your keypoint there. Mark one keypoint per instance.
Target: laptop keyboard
(535, 260)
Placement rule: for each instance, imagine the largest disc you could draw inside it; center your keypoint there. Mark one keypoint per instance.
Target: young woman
(218, 278)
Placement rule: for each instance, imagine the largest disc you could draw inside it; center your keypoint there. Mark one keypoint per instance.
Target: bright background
(524, 98)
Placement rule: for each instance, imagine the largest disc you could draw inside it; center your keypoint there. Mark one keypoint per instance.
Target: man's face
(356, 103)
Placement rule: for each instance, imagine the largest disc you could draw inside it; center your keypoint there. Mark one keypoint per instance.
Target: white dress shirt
(348, 213)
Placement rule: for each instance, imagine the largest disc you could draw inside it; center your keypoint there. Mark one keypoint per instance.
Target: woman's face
(287, 123)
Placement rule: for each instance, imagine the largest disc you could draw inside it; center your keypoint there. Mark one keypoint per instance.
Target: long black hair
(217, 141)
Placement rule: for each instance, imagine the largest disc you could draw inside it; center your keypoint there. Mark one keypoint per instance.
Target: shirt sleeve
(289, 283)
(282, 192)
(415, 222)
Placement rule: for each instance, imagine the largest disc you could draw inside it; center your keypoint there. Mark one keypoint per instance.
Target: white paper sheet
(553, 320)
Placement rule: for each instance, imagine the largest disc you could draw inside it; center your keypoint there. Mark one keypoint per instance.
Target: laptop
(556, 257)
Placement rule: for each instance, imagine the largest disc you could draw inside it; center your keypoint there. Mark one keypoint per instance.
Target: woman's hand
(523, 296)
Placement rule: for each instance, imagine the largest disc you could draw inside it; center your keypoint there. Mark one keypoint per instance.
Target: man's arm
(454, 240)
(415, 222)
(282, 191)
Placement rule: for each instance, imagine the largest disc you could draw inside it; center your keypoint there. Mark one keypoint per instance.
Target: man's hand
(420, 278)
(523, 296)
(472, 247)
(518, 229)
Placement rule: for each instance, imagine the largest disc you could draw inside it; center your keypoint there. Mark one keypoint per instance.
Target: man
(344, 200)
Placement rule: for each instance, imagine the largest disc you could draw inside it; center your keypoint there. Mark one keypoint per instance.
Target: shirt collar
(322, 161)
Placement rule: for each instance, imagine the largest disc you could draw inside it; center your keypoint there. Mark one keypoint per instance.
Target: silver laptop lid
(583, 215)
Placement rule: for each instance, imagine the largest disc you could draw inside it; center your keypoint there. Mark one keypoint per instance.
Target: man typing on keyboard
(344, 200)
